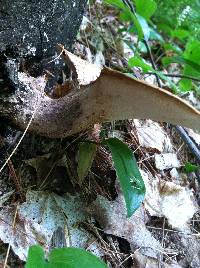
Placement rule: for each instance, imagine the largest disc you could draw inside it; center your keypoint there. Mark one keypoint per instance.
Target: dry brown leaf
(106, 96)
(170, 200)
(151, 135)
(39, 217)
(111, 215)
(147, 262)
(166, 161)
(86, 72)
(122, 97)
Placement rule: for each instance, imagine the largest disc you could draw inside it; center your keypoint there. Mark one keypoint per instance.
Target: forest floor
(40, 194)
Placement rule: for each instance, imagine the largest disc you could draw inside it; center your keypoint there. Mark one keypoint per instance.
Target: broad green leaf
(36, 258)
(138, 26)
(124, 16)
(192, 56)
(164, 28)
(180, 34)
(145, 8)
(185, 85)
(74, 258)
(126, 167)
(86, 155)
(195, 66)
(139, 62)
(144, 25)
(116, 3)
(63, 258)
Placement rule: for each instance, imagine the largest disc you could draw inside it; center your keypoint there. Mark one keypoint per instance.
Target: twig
(162, 243)
(16, 180)
(152, 61)
(13, 226)
(22, 137)
(130, 5)
(192, 146)
(57, 57)
(178, 76)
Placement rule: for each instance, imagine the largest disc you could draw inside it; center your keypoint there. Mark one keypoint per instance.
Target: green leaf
(144, 26)
(145, 8)
(185, 85)
(180, 34)
(138, 26)
(126, 167)
(86, 155)
(74, 258)
(195, 66)
(139, 62)
(63, 258)
(36, 258)
(116, 3)
(192, 58)
(189, 167)
(164, 28)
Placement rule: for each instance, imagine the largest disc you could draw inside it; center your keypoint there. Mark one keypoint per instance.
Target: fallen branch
(192, 146)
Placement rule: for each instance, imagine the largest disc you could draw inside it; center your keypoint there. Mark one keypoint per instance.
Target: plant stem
(178, 75)
(152, 61)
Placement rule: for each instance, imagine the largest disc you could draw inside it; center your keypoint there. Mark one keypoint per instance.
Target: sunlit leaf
(192, 58)
(36, 258)
(139, 62)
(180, 34)
(74, 258)
(116, 3)
(63, 258)
(144, 25)
(185, 85)
(145, 8)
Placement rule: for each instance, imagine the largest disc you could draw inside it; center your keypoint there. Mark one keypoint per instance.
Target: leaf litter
(39, 217)
(44, 212)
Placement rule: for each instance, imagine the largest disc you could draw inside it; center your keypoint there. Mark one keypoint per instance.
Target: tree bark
(29, 32)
